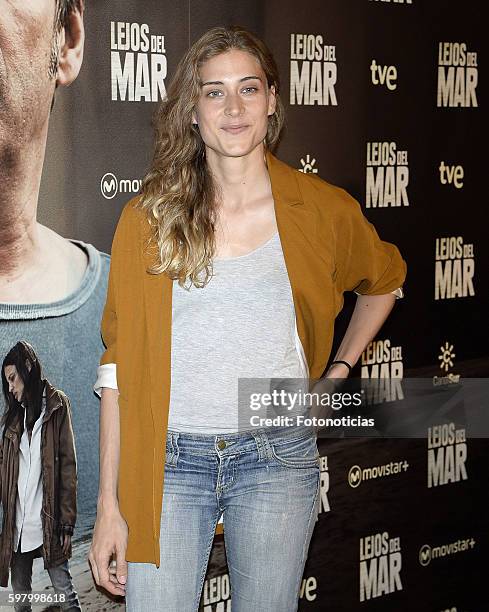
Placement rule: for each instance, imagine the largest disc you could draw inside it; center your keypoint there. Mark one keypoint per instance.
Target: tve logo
(451, 175)
(383, 75)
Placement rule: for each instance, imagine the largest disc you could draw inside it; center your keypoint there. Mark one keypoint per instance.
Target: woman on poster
(37, 480)
(230, 265)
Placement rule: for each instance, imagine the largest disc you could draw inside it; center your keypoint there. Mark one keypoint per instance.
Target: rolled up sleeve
(365, 264)
(106, 377)
(399, 293)
(106, 373)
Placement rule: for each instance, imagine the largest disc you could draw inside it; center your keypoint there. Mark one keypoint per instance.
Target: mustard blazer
(329, 247)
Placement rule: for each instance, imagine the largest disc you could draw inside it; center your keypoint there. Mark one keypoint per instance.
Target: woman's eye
(216, 93)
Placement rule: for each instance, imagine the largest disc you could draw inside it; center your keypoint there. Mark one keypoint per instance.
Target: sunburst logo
(308, 165)
(446, 356)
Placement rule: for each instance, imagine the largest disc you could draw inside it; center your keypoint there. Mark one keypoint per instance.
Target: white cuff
(399, 293)
(106, 377)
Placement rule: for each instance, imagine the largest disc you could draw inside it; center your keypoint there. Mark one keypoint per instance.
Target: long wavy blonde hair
(178, 194)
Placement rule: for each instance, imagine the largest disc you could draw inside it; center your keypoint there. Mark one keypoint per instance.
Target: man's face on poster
(30, 44)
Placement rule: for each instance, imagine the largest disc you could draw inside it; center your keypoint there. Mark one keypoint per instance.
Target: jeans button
(221, 444)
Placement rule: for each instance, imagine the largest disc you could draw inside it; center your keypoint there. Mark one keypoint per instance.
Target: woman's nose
(234, 105)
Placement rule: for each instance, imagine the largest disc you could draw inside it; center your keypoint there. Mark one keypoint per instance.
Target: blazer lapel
(297, 229)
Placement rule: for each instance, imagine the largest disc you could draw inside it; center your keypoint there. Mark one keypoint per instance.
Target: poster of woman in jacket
(38, 480)
(53, 279)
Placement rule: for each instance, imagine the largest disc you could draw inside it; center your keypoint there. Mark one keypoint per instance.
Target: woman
(37, 479)
(229, 265)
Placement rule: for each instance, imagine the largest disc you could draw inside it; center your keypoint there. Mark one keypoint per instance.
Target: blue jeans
(265, 482)
(21, 579)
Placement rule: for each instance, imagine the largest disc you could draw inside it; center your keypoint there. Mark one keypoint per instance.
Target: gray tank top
(240, 325)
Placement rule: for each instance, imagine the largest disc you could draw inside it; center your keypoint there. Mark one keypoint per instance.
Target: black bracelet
(343, 362)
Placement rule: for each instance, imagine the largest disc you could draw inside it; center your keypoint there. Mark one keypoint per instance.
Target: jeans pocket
(171, 451)
(296, 452)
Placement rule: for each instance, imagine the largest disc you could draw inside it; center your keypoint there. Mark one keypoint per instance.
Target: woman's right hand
(109, 539)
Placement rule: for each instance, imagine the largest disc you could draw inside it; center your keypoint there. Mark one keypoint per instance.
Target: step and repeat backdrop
(383, 98)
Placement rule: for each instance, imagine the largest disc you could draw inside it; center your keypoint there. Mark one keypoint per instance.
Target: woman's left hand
(327, 385)
(337, 370)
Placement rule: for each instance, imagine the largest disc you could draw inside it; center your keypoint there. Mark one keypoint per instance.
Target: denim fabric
(21, 578)
(265, 482)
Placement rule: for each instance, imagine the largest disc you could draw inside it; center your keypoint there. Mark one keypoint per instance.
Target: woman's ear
(272, 100)
(71, 43)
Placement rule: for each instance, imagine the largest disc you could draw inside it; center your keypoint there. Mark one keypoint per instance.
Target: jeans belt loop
(263, 444)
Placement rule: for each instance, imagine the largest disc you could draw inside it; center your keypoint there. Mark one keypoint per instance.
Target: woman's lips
(235, 130)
